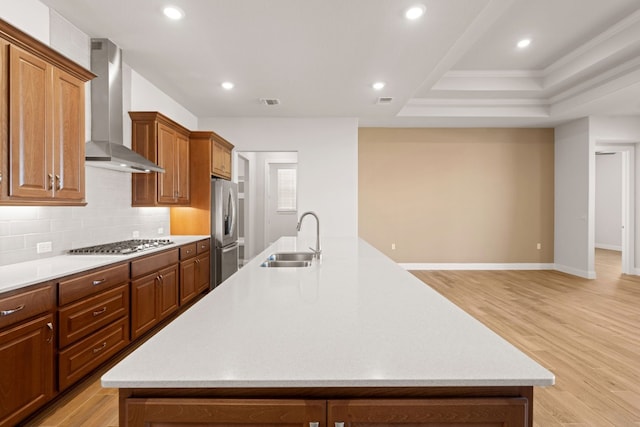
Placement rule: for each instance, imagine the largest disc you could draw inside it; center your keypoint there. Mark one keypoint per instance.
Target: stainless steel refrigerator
(224, 230)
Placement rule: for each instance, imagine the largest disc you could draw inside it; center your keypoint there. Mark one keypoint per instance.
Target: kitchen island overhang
(351, 326)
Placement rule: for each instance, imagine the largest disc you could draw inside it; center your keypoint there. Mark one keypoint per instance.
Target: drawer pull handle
(99, 312)
(13, 310)
(50, 326)
(99, 349)
(98, 282)
(314, 424)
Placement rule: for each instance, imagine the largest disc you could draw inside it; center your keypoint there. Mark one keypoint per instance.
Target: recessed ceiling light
(173, 12)
(227, 85)
(378, 85)
(415, 12)
(524, 43)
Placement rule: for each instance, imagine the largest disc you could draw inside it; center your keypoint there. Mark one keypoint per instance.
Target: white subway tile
(30, 227)
(12, 243)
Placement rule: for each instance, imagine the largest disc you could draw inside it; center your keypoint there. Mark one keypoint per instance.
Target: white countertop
(355, 319)
(16, 276)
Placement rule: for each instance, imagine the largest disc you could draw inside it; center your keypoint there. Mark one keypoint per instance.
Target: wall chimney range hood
(106, 148)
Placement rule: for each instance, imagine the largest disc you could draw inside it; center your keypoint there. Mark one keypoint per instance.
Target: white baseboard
(476, 266)
(608, 247)
(575, 272)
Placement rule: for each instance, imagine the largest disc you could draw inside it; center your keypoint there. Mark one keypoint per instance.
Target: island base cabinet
(222, 412)
(494, 412)
(449, 412)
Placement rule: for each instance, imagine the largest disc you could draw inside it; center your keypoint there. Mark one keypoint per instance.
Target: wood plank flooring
(587, 332)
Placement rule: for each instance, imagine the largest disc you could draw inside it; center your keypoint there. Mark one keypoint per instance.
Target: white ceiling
(456, 66)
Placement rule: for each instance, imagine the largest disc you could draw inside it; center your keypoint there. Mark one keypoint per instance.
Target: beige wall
(457, 195)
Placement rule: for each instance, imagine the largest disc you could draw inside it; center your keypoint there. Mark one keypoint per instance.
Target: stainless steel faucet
(317, 251)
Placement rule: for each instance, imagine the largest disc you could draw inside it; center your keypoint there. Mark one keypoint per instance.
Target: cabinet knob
(339, 424)
(314, 424)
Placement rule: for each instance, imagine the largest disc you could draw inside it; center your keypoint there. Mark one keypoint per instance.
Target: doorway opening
(268, 194)
(615, 201)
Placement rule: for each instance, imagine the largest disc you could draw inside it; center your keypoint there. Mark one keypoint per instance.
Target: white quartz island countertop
(353, 319)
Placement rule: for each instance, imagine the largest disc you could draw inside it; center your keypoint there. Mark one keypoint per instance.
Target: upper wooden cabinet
(208, 151)
(41, 123)
(220, 156)
(166, 143)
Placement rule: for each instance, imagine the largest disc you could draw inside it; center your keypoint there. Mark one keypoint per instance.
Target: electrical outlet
(160, 230)
(539, 246)
(393, 246)
(136, 234)
(44, 247)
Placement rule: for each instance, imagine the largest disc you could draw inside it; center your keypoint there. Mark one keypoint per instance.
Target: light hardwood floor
(586, 331)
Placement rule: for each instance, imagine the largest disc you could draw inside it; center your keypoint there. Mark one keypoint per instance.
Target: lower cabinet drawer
(23, 304)
(80, 319)
(82, 357)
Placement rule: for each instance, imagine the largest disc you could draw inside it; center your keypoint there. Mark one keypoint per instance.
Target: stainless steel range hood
(106, 148)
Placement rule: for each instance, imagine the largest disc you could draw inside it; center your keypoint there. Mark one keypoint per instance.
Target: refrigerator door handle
(232, 211)
(229, 248)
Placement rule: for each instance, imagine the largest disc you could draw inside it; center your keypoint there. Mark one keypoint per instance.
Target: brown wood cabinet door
(224, 412)
(455, 412)
(187, 280)
(182, 169)
(31, 165)
(226, 162)
(27, 361)
(4, 132)
(144, 185)
(168, 291)
(167, 158)
(203, 270)
(68, 136)
(216, 159)
(143, 304)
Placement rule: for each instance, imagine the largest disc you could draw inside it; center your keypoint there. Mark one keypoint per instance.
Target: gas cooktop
(122, 248)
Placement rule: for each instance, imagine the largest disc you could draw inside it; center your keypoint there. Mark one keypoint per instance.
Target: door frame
(267, 187)
(628, 151)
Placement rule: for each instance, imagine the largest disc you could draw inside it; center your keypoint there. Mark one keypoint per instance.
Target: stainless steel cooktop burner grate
(122, 248)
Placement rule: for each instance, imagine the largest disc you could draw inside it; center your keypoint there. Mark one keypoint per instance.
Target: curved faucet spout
(317, 251)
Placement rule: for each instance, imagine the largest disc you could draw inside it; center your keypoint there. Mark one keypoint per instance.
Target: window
(287, 190)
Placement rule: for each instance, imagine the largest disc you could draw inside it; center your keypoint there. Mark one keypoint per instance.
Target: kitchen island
(352, 338)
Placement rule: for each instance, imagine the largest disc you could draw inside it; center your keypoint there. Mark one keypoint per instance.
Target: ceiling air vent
(384, 100)
(270, 101)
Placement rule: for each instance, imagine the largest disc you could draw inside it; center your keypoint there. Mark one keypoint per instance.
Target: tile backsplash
(107, 217)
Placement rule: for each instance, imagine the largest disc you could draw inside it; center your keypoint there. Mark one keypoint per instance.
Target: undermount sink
(293, 263)
(291, 256)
